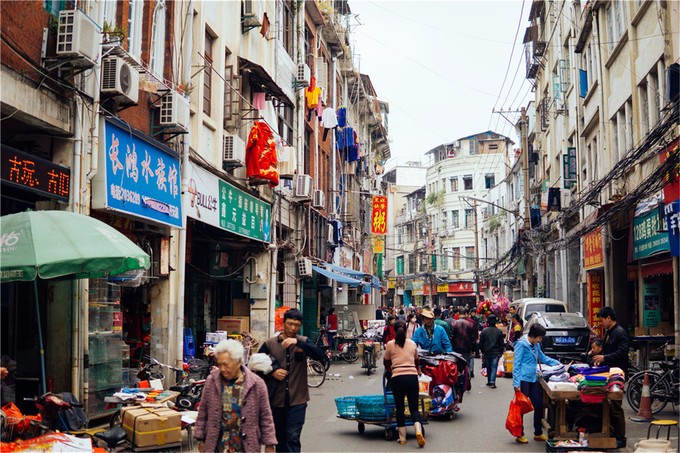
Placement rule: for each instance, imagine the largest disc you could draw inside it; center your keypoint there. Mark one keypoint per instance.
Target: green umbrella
(50, 244)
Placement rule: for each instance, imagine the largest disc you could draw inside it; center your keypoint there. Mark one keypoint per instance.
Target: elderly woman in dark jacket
(234, 414)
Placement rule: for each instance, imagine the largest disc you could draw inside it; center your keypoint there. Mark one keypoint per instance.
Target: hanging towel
(259, 100)
(328, 118)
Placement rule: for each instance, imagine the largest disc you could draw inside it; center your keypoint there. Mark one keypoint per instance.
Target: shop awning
(259, 76)
(337, 277)
(460, 294)
(660, 268)
(375, 281)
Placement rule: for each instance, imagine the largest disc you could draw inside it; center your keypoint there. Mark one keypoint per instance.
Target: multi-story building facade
(410, 241)
(400, 181)
(461, 174)
(151, 114)
(606, 121)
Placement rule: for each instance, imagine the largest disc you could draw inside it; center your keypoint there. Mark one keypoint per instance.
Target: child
(595, 349)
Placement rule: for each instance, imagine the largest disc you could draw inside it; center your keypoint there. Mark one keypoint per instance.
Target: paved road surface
(479, 426)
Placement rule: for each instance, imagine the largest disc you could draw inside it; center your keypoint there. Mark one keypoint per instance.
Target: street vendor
(431, 336)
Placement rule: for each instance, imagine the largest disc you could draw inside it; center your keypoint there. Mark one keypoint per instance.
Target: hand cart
(383, 415)
(450, 380)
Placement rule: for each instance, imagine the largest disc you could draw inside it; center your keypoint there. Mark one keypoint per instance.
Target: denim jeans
(288, 423)
(470, 359)
(491, 365)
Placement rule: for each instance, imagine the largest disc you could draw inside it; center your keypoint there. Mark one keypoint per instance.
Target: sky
(441, 65)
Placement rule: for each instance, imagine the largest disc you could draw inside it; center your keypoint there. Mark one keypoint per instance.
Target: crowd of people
(247, 407)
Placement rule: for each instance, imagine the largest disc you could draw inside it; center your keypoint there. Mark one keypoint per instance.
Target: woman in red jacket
(388, 332)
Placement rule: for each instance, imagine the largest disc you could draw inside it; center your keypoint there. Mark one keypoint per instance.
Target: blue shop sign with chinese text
(647, 238)
(142, 179)
(672, 211)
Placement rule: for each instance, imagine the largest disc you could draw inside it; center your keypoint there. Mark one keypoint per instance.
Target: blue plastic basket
(346, 406)
(372, 407)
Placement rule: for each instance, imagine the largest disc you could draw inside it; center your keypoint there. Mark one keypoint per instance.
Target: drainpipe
(334, 175)
(78, 318)
(273, 275)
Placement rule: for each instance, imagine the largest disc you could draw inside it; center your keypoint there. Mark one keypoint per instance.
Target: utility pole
(529, 267)
(474, 207)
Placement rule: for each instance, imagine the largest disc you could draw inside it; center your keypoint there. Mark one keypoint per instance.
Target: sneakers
(541, 438)
(522, 440)
(493, 386)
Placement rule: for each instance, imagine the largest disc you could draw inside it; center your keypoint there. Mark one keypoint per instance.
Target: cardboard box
(234, 324)
(151, 425)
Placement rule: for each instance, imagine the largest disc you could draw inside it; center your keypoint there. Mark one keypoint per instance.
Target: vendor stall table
(557, 403)
(644, 344)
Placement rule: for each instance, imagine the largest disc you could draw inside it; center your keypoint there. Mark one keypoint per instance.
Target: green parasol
(51, 244)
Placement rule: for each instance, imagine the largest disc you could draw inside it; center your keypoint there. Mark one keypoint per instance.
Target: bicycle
(346, 347)
(663, 387)
(316, 373)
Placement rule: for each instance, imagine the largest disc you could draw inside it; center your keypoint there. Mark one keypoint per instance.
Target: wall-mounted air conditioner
(120, 80)
(250, 14)
(319, 199)
(286, 165)
(303, 187)
(233, 152)
(174, 112)
(77, 37)
(304, 75)
(304, 266)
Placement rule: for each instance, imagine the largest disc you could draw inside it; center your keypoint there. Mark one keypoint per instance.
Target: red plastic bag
(524, 403)
(513, 422)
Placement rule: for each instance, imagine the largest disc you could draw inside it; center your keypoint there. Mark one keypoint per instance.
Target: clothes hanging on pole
(259, 100)
(261, 159)
(342, 117)
(329, 121)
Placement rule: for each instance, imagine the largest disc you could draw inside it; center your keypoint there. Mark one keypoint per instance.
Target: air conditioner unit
(304, 75)
(303, 187)
(319, 199)
(304, 267)
(77, 37)
(120, 80)
(286, 164)
(174, 112)
(233, 151)
(250, 14)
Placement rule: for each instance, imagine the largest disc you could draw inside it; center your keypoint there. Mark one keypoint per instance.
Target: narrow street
(479, 426)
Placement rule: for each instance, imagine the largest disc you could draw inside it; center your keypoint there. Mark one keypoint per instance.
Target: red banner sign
(592, 249)
(595, 299)
(379, 215)
(671, 191)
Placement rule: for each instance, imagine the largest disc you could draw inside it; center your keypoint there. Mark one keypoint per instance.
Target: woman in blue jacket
(528, 355)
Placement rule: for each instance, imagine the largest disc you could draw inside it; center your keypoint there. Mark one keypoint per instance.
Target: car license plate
(565, 340)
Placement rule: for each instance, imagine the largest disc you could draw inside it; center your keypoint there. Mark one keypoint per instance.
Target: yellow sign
(378, 245)
(443, 288)
(391, 284)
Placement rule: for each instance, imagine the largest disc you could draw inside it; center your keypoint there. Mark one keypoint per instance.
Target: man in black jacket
(491, 343)
(614, 354)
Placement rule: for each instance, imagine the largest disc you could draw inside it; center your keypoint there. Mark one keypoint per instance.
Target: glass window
(470, 258)
(207, 73)
(467, 182)
(456, 258)
(135, 23)
(489, 180)
(454, 184)
(285, 115)
(157, 49)
(287, 19)
(469, 219)
(473, 147)
(454, 219)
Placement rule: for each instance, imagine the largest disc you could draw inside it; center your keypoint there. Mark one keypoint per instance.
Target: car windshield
(564, 322)
(543, 308)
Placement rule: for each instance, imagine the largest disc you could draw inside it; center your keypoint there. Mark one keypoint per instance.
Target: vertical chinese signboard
(569, 168)
(652, 305)
(672, 211)
(379, 215)
(592, 249)
(595, 298)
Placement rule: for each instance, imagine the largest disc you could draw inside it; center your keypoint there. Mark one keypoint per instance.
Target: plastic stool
(661, 424)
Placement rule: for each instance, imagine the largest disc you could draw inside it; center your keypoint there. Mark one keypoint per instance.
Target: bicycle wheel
(352, 354)
(316, 374)
(659, 391)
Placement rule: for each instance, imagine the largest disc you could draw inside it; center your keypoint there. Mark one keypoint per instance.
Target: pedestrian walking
(411, 325)
(401, 361)
(430, 336)
(332, 320)
(290, 397)
(234, 414)
(438, 319)
(388, 331)
(465, 336)
(491, 343)
(528, 354)
(614, 354)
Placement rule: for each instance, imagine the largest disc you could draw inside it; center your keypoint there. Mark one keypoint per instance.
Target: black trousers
(405, 386)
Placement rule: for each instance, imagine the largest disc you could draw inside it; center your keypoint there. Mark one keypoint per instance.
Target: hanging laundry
(259, 100)
(342, 117)
(312, 94)
(319, 106)
(329, 121)
(261, 159)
